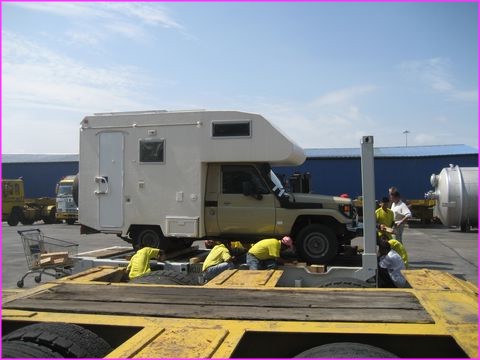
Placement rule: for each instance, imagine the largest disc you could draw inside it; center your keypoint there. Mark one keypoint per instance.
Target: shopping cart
(46, 255)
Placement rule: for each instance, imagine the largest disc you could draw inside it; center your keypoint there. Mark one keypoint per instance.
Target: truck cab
(165, 179)
(66, 207)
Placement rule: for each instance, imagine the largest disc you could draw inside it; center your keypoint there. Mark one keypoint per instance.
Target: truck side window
(231, 129)
(152, 151)
(234, 175)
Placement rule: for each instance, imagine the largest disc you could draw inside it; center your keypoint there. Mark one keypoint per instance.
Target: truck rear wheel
(317, 244)
(70, 221)
(69, 340)
(346, 350)
(149, 237)
(14, 217)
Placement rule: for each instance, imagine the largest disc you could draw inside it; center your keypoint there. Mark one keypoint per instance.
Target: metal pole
(368, 193)
(406, 132)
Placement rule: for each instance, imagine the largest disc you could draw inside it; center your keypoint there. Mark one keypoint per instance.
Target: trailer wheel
(346, 350)
(69, 340)
(316, 244)
(21, 349)
(14, 217)
(166, 277)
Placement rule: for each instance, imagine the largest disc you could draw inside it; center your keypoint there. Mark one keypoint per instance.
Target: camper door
(109, 181)
(245, 205)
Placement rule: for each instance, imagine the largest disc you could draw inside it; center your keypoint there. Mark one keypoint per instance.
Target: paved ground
(433, 247)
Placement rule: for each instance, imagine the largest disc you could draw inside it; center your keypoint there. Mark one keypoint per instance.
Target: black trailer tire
(166, 277)
(344, 283)
(70, 340)
(316, 244)
(346, 350)
(27, 350)
(14, 217)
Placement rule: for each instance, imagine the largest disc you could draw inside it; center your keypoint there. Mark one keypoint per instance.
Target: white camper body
(150, 168)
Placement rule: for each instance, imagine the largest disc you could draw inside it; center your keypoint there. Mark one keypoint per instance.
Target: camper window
(152, 151)
(231, 129)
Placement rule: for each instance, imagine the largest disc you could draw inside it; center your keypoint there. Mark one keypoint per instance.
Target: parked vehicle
(66, 207)
(16, 208)
(164, 179)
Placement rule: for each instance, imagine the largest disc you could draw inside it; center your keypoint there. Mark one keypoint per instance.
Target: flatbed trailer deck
(239, 312)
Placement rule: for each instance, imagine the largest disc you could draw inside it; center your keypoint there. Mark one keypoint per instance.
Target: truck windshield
(64, 190)
(278, 184)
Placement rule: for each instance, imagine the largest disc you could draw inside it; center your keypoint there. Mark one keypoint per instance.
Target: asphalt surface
(432, 247)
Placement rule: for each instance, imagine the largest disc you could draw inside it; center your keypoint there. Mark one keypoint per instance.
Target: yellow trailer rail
(243, 314)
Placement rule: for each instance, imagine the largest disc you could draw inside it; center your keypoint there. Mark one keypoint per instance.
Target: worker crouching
(217, 261)
(265, 254)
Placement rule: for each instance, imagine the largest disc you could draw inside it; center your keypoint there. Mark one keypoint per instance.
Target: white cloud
(37, 76)
(93, 22)
(436, 74)
(343, 95)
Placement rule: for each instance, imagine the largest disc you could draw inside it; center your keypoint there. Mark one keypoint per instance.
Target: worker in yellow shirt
(217, 261)
(140, 262)
(385, 219)
(266, 253)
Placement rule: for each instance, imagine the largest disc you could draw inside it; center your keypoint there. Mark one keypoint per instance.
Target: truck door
(245, 214)
(109, 181)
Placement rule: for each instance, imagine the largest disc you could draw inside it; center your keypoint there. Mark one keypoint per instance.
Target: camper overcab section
(164, 179)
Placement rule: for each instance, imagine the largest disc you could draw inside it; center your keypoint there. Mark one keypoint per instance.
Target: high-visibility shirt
(139, 263)
(384, 217)
(266, 249)
(400, 249)
(217, 255)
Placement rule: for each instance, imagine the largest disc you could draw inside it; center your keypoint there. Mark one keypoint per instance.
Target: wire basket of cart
(46, 255)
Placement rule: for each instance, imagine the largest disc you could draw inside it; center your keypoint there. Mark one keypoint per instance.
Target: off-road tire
(346, 350)
(316, 244)
(166, 277)
(69, 340)
(27, 350)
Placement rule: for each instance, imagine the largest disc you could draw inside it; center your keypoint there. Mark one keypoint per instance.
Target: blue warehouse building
(337, 171)
(333, 171)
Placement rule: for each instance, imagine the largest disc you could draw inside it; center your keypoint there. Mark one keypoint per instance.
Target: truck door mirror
(247, 188)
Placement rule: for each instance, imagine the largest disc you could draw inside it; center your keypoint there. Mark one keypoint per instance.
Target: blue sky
(324, 73)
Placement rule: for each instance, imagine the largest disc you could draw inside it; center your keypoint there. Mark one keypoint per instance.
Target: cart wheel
(20, 283)
(38, 278)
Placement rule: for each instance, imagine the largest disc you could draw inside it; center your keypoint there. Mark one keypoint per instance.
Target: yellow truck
(66, 207)
(16, 208)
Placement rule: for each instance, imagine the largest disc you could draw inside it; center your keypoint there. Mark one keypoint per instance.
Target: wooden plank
(218, 312)
(232, 297)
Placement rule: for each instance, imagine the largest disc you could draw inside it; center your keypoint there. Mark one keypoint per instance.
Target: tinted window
(233, 176)
(231, 129)
(152, 151)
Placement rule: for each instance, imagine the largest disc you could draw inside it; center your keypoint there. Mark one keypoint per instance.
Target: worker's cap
(287, 240)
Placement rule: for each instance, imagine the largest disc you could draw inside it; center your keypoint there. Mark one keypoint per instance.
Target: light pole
(406, 132)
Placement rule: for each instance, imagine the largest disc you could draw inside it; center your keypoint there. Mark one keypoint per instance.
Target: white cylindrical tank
(456, 195)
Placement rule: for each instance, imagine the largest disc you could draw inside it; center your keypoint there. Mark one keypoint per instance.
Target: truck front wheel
(14, 217)
(316, 244)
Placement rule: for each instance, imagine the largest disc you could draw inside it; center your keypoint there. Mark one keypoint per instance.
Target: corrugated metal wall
(39, 179)
(411, 176)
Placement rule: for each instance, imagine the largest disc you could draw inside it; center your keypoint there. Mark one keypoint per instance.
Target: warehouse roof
(38, 158)
(401, 151)
(380, 152)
